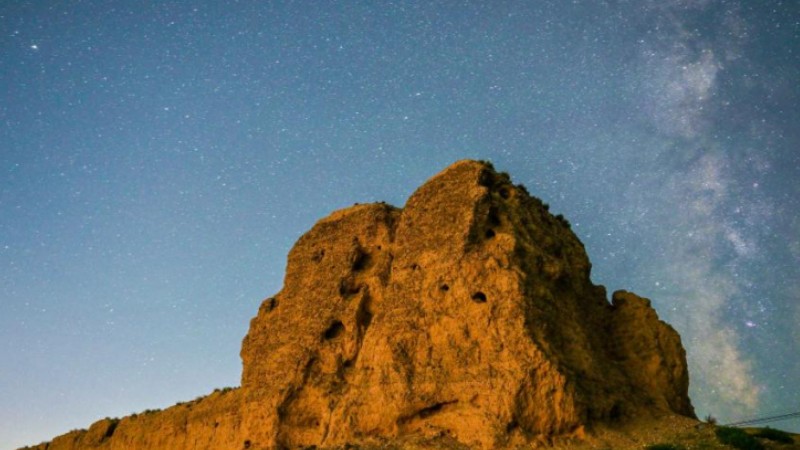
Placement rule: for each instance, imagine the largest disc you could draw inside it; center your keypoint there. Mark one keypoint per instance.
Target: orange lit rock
(466, 317)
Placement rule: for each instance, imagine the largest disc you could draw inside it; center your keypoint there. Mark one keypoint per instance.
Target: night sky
(159, 159)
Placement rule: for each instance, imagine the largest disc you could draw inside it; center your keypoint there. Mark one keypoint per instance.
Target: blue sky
(158, 161)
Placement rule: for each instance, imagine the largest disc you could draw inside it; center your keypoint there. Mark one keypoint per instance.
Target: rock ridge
(467, 317)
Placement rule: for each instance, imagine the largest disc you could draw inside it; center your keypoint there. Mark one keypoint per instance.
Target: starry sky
(159, 159)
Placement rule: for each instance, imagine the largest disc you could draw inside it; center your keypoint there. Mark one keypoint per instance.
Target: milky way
(158, 161)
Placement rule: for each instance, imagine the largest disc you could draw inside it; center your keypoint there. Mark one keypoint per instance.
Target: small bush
(711, 420)
(738, 438)
(563, 220)
(775, 435)
(665, 447)
(487, 163)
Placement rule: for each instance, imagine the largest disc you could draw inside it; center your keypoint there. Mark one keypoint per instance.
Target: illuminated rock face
(467, 316)
(468, 313)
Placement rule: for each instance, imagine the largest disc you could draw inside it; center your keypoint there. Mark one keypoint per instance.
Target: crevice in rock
(334, 330)
(494, 216)
(111, 428)
(426, 412)
(364, 315)
(269, 304)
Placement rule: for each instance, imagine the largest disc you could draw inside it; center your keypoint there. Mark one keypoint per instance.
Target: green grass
(775, 435)
(665, 447)
(738, 438)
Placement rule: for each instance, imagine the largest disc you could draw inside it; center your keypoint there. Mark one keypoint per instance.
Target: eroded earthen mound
(467, 317)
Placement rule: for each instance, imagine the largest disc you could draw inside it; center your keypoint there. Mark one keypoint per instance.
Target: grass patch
(775, 435)
(665, 447)
(738, 438)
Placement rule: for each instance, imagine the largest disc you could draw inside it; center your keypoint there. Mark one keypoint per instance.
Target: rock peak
(466, 316)
(469, 312)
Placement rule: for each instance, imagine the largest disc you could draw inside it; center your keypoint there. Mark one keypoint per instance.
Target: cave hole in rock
(247, 443)
(334, 330)
(490, 233)
(479, 297)
(360, 260)
(444, 287)
(511, 426)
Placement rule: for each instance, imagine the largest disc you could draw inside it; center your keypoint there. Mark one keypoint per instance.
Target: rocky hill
(466, 319)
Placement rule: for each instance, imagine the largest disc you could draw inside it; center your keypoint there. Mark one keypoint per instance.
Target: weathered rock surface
(212, 422)
(466, 317)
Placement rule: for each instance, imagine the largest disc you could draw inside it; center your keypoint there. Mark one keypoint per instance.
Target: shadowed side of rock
(651, 353)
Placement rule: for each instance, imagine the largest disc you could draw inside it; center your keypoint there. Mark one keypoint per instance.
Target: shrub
(775, 435)
(487, 162)
(738, 438)
(563, 220)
